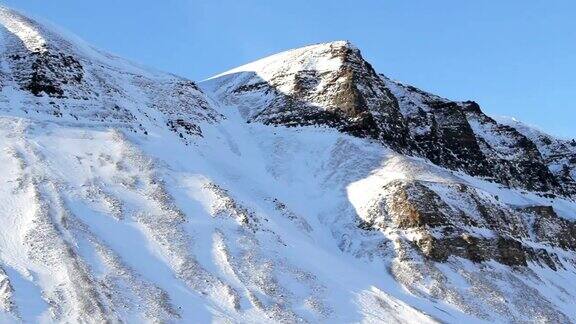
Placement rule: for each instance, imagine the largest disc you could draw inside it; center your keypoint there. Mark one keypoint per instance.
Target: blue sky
(514, 57)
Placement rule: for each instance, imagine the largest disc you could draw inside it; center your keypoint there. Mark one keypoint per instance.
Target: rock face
(459, 136)
(303, 187)
(558, 154)
(472, 227)
(329, 85)
(548, 227)
(343, 91)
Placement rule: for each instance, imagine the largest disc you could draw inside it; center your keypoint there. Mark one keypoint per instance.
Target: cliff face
(331, 84)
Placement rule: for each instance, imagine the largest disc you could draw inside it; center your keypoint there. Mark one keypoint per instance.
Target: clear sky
(514, 57)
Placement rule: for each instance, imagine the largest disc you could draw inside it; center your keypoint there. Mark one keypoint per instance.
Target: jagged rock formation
(331, 84)
(304, 187)
(558, 154)
(328, 85)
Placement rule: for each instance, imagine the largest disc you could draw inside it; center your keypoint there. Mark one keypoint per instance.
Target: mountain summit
(331, 84)
(303, 187)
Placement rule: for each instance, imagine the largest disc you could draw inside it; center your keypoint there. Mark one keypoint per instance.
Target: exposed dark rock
(354, 99)
(47, 72)
(510, 252)
(552, 229)
(459, 136)
(504, 250)
(414, 205)
(513, 158)
(180, 124)
(444, 230)
(452, 142)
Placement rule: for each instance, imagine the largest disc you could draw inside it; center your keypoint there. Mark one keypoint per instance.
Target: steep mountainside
(48, 77)
(331, 84)
(303, 187)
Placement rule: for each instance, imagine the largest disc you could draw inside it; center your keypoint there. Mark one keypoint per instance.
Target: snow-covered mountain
(303, 187)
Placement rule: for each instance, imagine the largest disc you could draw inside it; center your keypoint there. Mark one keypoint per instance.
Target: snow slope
(130, 195)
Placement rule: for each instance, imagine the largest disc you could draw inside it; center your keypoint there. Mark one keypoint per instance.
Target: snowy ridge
(282, 72)
(92, 87)
(310, 57)
(280, 191)
(27, 33)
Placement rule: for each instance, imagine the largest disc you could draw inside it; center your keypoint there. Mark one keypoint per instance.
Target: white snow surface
(288, 62)
(125, 220)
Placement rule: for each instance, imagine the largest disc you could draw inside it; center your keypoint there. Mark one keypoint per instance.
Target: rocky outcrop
(552, 229)
(46, 73)
(39, 66)
(459, 136)
(513, 158)
(558, 154)
(475, 228)
(332, 85)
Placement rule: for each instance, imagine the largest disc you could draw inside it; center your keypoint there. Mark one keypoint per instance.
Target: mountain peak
(318, 57)
(324, 84)
(331, 84)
